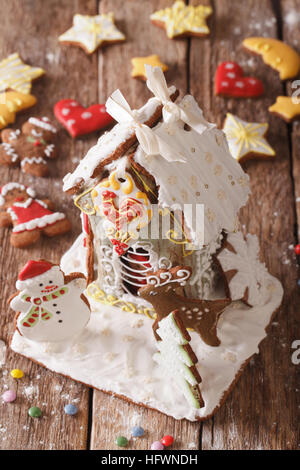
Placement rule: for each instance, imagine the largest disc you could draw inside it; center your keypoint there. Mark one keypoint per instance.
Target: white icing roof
(210, 175)
(109, 142)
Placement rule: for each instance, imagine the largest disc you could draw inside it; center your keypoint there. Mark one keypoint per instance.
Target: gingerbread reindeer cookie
(30, 147)
(50, 306)
(200, 315)
(29, 216)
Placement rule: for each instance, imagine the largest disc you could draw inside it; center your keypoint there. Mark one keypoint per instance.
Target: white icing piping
(43, 124)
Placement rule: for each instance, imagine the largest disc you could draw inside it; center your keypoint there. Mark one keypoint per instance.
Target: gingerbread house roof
(188, 157)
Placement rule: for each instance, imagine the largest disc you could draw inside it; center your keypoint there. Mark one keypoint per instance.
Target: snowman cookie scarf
(50, 307)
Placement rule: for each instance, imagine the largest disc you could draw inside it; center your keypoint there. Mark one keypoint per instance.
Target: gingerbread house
(162, 249)
(166, 173)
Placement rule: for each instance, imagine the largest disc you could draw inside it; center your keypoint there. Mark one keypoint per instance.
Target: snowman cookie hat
(33, 270)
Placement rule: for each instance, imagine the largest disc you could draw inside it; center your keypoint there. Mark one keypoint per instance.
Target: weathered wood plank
(261, 411)
(32, 27)
(112, 417)
(290, 13)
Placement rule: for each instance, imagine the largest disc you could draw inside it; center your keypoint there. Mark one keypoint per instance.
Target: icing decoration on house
(29, 147)
(246, 140)
(29, 216)
(91, 32)
(50, 307)
(286, 107)
(12, 102)
(244, 273)
(183, 20)
(277, 54)
(138, 64)
(230, 82)
(79, 120)
(200, 315)
(125, 208)
(177, 358)
(16, 75)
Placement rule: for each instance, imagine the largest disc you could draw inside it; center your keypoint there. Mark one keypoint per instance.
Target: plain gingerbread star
(138, 64)
(246, 140)
(183, 20)
(286, 107)
(90, 32)
(16, 75)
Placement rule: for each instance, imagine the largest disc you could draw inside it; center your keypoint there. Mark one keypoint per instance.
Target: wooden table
(262, 412)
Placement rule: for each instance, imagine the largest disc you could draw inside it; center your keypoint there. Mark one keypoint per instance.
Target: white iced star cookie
(16, 75)
(183, 20)
(91, 32)
(246, 140)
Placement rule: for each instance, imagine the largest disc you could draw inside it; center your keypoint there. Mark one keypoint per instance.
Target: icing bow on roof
(150, 142)
(172, 112)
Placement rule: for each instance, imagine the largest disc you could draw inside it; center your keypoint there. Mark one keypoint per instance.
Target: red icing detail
(120, 247)
(35, 210)
(26, 324)
(79, 120)
(230, 81)
(31, 320)
(19, 199)
(54, 296)
(84, 242)
(34, 268)
(85, 223)
(62, 291)
(37, 143)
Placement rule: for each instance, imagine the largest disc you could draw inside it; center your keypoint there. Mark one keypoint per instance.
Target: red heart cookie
(79, 120)
(230, 81)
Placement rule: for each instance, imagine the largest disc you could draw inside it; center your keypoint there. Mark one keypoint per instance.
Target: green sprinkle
(35, 412)
(121, 441)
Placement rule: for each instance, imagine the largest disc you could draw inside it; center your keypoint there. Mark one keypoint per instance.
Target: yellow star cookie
(286, 107)
(246, 140)
(10, 103)
(90, 32)
(277, 54)
(183, 20)
(138, 64)
(16, 75)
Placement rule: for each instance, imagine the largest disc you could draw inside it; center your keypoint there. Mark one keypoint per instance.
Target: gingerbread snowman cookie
(30, 147)
(29, 216)
(50, 306)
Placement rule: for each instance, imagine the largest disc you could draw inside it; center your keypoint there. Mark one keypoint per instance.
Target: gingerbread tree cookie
(30, 147)
(200, 315)
(177, 357)
(29, 216)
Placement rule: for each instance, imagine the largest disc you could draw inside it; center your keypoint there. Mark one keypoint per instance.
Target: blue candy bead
(71, 409)
(137, 431)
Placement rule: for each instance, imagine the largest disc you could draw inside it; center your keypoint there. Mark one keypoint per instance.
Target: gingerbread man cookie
(29, 147)
(29, 216)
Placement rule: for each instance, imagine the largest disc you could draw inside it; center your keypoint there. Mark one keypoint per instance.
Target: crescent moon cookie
(287, 108)
(91, 32)
(183, 20)
(275, 53)
(246, 140)
(138, 64)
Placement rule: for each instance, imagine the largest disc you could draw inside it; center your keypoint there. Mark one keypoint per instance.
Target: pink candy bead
(9, 396)
(157, 446)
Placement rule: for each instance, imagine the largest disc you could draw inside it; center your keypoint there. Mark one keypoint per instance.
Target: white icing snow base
(114, 354)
